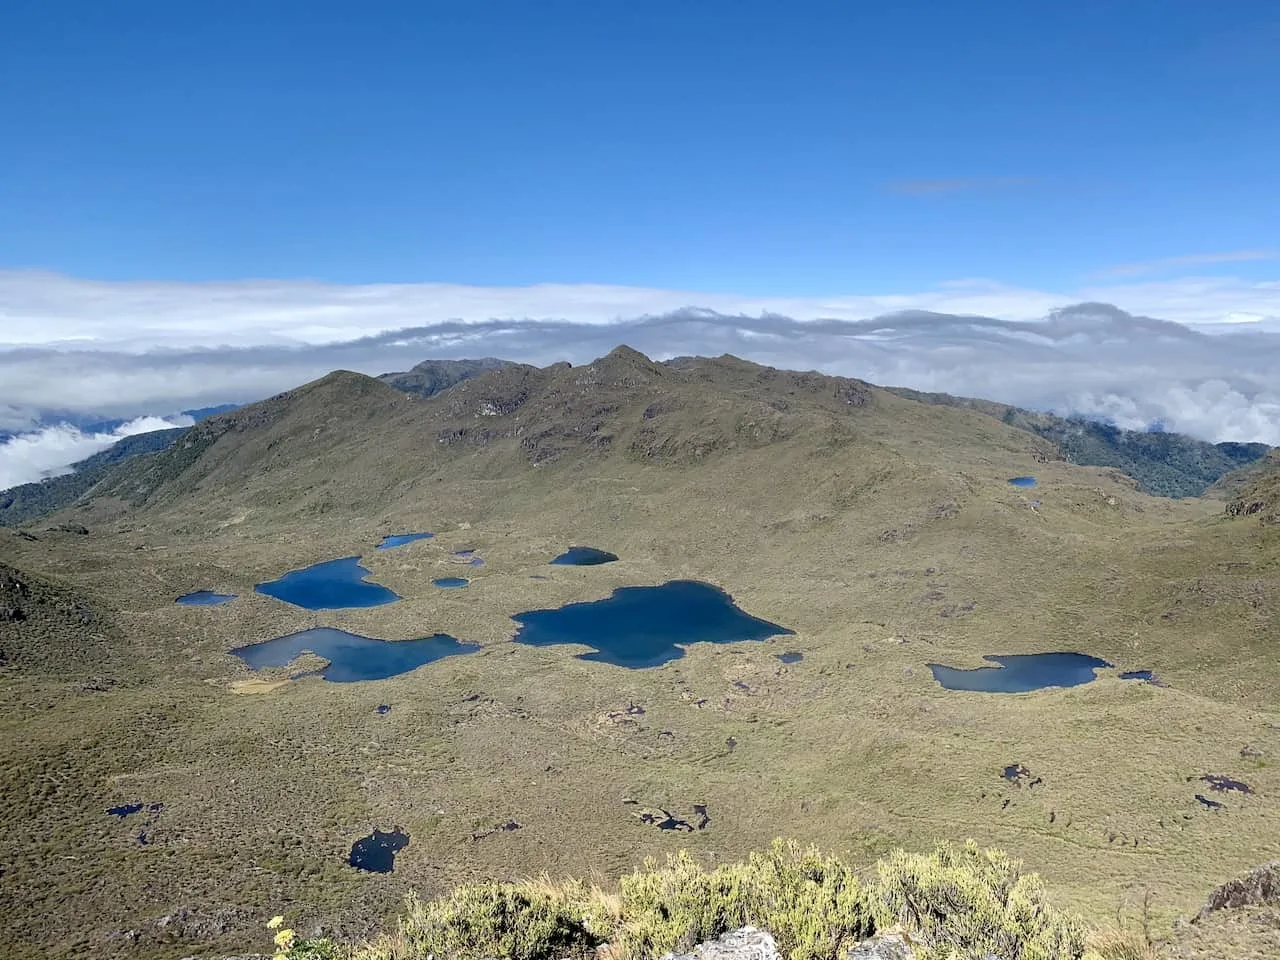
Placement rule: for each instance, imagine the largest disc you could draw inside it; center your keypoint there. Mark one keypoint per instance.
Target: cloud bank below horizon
(128, 349)
(50, 451)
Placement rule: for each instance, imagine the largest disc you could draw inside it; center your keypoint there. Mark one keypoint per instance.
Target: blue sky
(789, 149)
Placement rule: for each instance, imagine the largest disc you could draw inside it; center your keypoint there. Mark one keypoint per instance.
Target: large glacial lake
(331, 585)
(352, 657)
(645, 626)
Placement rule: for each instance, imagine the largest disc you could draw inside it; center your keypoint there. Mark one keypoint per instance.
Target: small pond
(1017, 773)
(393, 540)
(204, 598)
(584, 557)
(1021, 673)
(331, 585)
(352, 657)
(376, 853)
(791, 656)
(1145, 676)
(1023, 481)
(450, 583)
(645, 626)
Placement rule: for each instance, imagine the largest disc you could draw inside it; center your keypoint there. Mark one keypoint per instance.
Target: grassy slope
(30, 501)
(879, 528)
(1255, 490)
(1164, 464)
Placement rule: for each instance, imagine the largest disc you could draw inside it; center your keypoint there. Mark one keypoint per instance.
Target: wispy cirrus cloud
(1160, 264)
(926, 187)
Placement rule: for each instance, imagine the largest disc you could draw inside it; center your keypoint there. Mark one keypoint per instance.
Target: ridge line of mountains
(1160, 463)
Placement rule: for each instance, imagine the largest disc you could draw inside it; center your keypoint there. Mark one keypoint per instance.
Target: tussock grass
(1113, 944)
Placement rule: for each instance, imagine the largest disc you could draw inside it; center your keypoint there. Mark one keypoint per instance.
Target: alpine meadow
(878, 535)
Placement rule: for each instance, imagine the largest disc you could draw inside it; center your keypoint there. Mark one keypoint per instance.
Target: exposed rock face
(1259, 887)
(745, 944)
(752, 944)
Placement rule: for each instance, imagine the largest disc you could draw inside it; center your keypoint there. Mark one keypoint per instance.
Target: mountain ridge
(622, 404)
(1165, 464)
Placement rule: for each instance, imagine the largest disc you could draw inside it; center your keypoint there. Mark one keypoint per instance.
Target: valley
(877, 533)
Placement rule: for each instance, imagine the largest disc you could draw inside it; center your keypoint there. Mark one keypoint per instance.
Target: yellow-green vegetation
(883, 531)
(968, 901)
(957, 902)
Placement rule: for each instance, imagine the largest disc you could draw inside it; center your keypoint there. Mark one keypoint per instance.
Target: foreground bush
(960, 902)
(530, 920)
(964, 901)
(812, 904)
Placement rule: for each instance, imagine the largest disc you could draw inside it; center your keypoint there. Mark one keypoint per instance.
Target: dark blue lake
(376, 853)
(1023, 481)
(584, 557)
(645, 626)
(450, 583)
(204, 598)
(1021, 673)
(392, 540)
(332, 585)
(352, 657)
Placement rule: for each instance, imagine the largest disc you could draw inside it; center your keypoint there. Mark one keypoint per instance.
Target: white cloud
(123, 349)
(43, 309)
(50, 451)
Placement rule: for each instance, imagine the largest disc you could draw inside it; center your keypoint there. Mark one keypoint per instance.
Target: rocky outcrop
(1259, 887)
(745, 944)
(752, 944)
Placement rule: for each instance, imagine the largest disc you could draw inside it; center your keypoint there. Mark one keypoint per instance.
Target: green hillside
(1164, 464)
(30, 501)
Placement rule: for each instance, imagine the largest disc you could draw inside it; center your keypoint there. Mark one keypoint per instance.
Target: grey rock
(747, 943)
(1259, 887)
(893, 946)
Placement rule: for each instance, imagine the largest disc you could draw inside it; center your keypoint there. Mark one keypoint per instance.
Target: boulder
(1256, 888)
(747, 943)
(888, 946)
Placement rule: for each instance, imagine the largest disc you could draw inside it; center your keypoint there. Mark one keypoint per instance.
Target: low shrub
(812, 904)
(967, 902)
(960, 902)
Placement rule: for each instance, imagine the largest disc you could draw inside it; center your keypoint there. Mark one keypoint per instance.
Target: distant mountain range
(428, 378)
(1162, 464)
